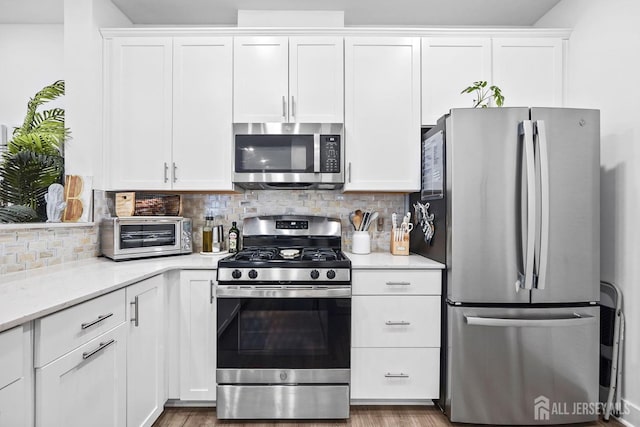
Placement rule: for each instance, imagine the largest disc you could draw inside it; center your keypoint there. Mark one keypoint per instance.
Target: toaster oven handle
(316, 153)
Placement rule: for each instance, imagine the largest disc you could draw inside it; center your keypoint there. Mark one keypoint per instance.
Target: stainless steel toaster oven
(145, 236)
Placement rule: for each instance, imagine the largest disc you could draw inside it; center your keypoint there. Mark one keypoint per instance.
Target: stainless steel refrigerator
(515, 199)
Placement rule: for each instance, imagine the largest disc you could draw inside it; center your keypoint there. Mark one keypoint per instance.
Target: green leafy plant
(483, 95)
(33, 160)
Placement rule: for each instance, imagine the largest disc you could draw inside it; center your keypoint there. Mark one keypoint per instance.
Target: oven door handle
(234, 292)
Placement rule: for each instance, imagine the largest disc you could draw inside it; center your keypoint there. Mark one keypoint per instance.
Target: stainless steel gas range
(284, 321)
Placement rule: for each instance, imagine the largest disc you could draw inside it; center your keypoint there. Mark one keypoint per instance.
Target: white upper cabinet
(202, 108)
(316, 80)
(449, 65)
(529, 71)
(138, 141)
(281, 79)
(382, 113)
(169, 105)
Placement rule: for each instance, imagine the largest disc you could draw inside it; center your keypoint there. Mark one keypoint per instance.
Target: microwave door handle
(316, 153)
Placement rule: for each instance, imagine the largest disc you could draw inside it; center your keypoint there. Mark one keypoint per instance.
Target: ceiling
(357, 12)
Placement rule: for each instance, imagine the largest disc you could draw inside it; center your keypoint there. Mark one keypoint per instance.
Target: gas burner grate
(319, 254)
(257, 254)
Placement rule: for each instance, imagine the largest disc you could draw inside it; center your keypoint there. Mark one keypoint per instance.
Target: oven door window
(147, 235)
(294, 333)
(274, 153)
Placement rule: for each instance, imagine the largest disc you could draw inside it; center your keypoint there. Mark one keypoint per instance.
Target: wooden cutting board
(73, 186)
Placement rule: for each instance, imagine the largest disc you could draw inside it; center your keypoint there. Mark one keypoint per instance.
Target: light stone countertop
(384, 260)
(36, 293)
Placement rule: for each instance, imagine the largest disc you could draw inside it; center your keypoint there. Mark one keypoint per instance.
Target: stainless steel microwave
(145, 236)
(288, 155)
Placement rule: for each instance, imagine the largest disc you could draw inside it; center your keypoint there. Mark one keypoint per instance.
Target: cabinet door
(145, 352)
(85, 387)
(448, 66)
(260, 83)
(197, 335)
(138, 96)
(529, 71)
(202, 107)
(16, 376)
(316, 80)
(382, 113)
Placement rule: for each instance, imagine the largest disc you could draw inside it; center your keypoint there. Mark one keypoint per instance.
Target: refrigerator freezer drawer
(522, 366)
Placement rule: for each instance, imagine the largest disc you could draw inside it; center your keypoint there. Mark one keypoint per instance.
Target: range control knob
(315, 274)
(253, 274)
(331, 274)
(236, 274)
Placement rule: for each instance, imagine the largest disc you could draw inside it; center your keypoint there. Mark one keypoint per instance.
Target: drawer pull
(134, 318)
(400, 375)
(98, 320)
(398, 283)
(397, 323)
(102, 346)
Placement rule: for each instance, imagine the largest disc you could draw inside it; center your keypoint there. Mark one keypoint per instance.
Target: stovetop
(288, 249)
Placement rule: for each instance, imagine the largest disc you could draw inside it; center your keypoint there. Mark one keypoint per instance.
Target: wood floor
(361, 416)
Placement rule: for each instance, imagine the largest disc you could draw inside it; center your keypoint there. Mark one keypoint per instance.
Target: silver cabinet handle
(284, 108)
(397, 323)
(293, 107)
(400, 375)
(349, 172)
(175, 176)
(211, 293)
(102, 346)
(398, 283)
(134, 318)
(166, 172)
(93, 322)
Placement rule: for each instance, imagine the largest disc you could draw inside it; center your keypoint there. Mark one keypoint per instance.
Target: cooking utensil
(351, 216)
(370, 220)
(365, 221)
(357, 220)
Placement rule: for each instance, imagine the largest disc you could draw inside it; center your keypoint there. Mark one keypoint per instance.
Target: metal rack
(611, 346)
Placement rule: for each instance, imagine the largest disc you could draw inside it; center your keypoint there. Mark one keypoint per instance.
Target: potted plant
(33, 160)
(484, 95)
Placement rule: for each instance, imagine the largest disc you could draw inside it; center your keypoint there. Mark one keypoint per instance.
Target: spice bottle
(234, 236)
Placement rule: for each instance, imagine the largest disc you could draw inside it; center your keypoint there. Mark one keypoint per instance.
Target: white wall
(83, 67)
(603, 70)
(31, 57)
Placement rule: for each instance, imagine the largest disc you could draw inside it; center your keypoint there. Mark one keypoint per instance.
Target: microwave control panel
(330, 153)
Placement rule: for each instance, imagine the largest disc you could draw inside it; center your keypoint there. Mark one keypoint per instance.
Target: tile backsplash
(26, 248)
(235, 207)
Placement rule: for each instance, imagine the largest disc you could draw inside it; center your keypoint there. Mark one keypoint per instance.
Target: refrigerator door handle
(554, 322)
(526, 281)
(541, 133)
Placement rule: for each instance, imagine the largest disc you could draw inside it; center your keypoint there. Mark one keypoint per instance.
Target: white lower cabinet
(395, 354)
(395, 373)
(87, 386)
(145, 352)
(197, 335)
(16, 377)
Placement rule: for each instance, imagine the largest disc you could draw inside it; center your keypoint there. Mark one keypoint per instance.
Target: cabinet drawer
(11, 356)
(397, 282)
(68, 329)
(395, 373)
(407, 321)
